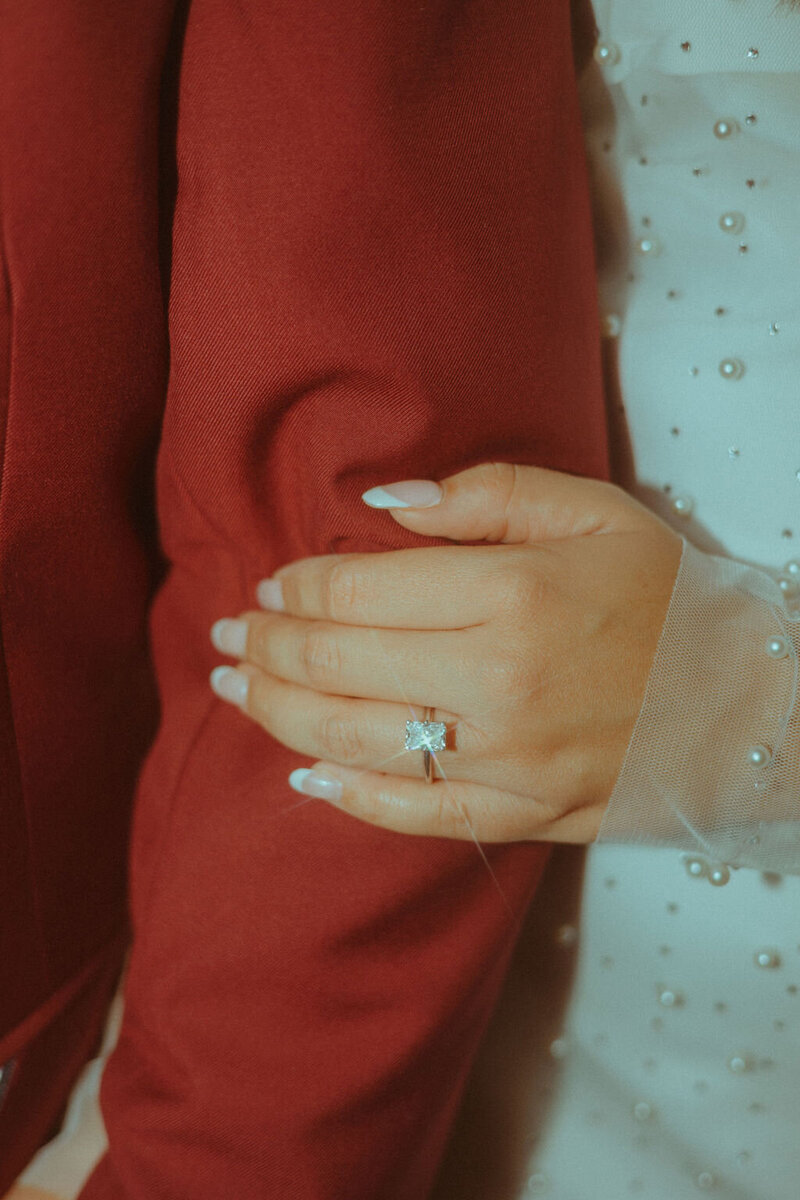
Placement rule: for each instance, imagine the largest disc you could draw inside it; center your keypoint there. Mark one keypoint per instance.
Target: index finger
(436, 587)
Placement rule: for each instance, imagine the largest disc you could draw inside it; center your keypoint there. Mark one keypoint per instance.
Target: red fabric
(83, 357)
(381, 267)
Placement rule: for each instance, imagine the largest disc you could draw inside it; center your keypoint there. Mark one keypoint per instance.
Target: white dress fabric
(675, 1067)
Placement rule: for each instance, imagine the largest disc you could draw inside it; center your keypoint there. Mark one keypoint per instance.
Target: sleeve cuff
(713, 764)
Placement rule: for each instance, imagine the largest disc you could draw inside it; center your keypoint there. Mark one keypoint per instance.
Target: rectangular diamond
(425, 735)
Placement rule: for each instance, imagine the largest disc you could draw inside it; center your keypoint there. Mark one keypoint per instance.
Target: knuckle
(321, 658)
(342, 591)
(499, 477)
(523, 590)
(259, 642)
(506, 676)
(517, 589)
(341, 738)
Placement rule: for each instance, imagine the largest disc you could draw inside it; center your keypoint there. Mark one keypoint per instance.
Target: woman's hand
(534, 651)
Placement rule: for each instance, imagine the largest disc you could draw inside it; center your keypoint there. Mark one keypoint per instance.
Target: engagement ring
(426, 735)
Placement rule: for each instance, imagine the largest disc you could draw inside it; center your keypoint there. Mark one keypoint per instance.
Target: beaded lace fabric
(714, 760)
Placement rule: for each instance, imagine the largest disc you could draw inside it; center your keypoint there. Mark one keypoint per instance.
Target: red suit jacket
(258, 256)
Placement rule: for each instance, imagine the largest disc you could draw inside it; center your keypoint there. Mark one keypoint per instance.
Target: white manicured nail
(230, 684)
(409, 493)
(230, 636)
(269, 594)
(315, 783)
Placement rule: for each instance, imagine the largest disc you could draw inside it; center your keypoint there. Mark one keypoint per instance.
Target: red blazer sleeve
(382, 267)
(83, 369)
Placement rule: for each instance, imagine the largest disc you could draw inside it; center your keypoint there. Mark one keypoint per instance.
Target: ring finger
(368, 734)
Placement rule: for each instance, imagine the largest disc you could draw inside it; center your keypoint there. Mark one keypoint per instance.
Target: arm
(382, 261)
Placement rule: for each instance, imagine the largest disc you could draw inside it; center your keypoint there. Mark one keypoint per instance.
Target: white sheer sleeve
(713, 764)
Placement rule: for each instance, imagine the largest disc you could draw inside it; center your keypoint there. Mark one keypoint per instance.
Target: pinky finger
(445, 808)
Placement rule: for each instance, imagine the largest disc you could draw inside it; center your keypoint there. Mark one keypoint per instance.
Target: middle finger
(403, 665)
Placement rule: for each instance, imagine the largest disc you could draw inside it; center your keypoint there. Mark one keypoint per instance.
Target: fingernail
(230, 636)
(409, 493)
(230, 684)
(269, 594)
(315, 783)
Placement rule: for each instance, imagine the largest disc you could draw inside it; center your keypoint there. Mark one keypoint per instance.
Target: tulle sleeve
(713, 764)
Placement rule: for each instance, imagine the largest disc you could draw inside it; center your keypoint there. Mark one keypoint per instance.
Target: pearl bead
(750, 119)
(670, 999)
(739, 1063)
(732, 222)
(725, 127)
(787, 584)
(759, 756)
(696, 867)
(731, 368)
(705, 1181)
(777, 647)
(642, 1111)
(768, 959)
(607, 53)
(793, 567)
(611, 325)
(682, 506)
(649, 247)
(752, 52)
(720, 875)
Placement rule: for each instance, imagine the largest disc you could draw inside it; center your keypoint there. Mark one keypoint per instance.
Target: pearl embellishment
(696, 867)
(682, 506)
(719, 875)
(732, 222)
(607, 53)
(768, 959)
(759, 756)
(731, 368)
(777, 647)
(649, 247)
(725, 127)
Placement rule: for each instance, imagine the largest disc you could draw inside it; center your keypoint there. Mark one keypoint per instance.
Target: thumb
(506, 502)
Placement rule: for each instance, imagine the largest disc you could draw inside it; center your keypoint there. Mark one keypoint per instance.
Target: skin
(28, 1193)
(534, 648)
